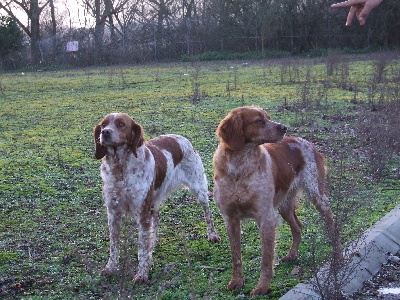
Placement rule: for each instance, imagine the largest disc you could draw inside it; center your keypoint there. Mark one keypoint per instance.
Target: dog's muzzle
(105, 135)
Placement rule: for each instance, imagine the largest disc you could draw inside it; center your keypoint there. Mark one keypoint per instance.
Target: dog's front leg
(267, 231)
(114, 226)
(145, 246)
(233, 229)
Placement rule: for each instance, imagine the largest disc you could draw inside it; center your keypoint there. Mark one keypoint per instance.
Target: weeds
(379, 130)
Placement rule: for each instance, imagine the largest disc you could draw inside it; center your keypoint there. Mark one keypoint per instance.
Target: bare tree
(163, 11)
(104, 12)
(32, 9)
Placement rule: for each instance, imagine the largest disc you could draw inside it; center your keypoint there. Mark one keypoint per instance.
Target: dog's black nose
(282, 128)
(106, 133)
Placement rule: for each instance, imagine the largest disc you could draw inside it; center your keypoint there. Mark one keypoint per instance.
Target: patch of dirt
(387, 277)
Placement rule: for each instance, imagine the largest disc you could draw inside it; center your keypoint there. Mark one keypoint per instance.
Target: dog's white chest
(124, 185)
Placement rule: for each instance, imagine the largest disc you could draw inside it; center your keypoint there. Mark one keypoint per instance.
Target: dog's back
(177, 164)
(297, 164)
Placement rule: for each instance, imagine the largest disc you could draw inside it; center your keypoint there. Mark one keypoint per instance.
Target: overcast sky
(72, 12)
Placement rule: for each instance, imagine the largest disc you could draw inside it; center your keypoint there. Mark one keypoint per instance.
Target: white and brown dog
(137, 177)
(259, 172)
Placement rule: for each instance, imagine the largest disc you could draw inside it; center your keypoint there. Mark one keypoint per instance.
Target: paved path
(369, 253)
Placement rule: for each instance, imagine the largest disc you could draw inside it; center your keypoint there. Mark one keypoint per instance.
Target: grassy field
(53, 225)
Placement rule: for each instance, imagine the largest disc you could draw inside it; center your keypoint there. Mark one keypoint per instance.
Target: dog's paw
(141, 279)
(260, 290)
(291, 256)
(235, 284)
(109, 271)
(214, 237)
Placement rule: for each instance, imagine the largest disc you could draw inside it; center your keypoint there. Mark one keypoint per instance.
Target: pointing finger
(347, 3)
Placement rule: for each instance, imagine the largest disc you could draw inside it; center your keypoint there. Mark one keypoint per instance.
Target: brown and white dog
(137, 177)
(259, 172)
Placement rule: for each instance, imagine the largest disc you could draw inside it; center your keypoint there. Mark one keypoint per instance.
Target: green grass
(53, 225)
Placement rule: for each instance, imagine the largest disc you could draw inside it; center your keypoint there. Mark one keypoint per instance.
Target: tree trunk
(35, 32)
(98, 32)
(53, 30)
(113, 39)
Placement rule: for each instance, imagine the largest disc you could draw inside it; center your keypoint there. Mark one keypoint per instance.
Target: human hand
(359, 8)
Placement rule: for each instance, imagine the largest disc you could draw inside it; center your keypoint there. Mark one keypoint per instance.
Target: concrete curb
(365, 258)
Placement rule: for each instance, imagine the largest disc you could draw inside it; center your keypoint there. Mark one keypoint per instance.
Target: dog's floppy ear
(230, 131)
(101, 151)
(137, 137)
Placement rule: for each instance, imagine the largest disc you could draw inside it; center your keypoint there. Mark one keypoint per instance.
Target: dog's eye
(120, 124)
(260, 122)
(103, 125)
